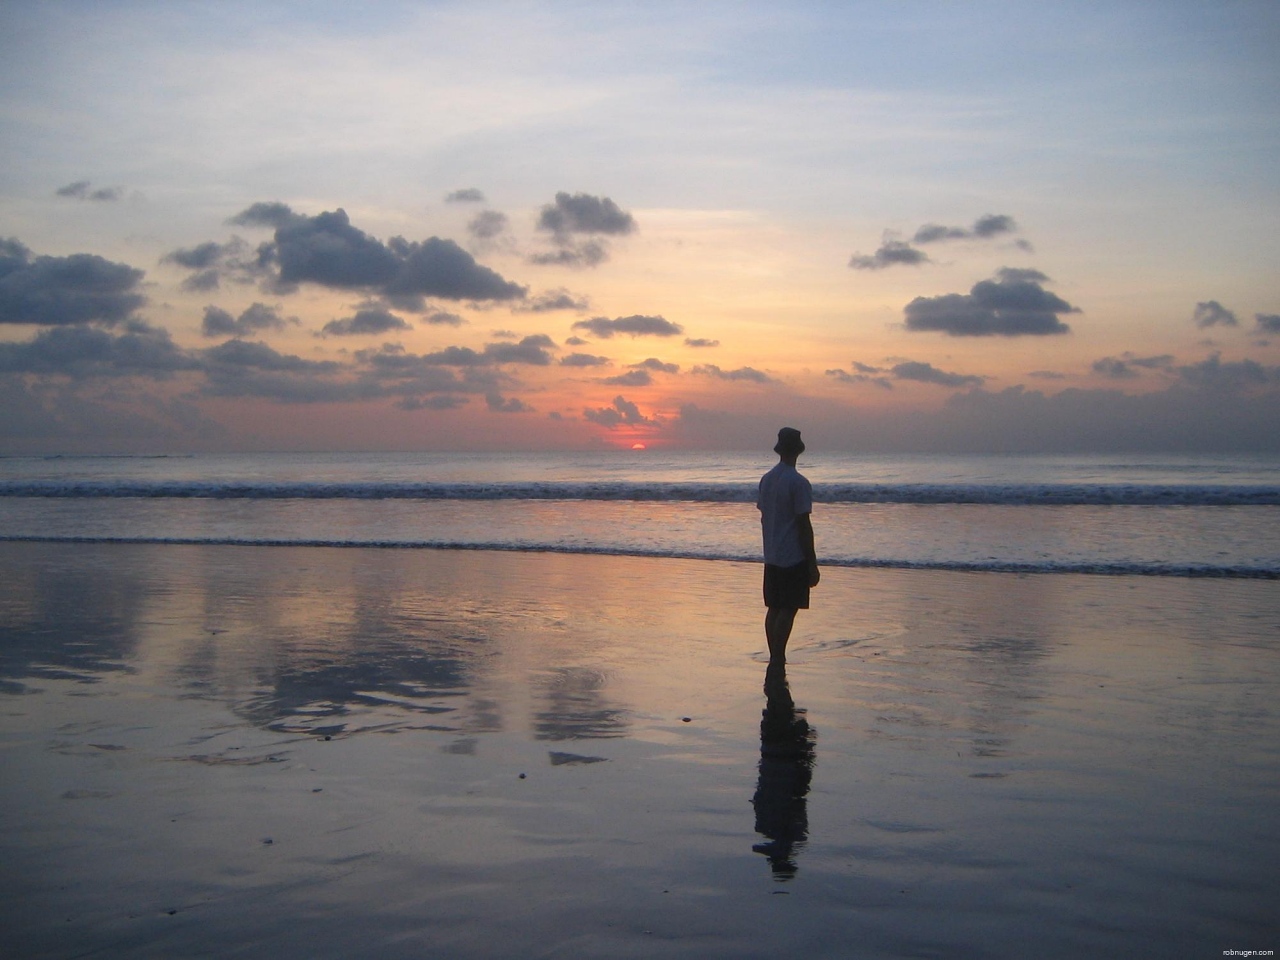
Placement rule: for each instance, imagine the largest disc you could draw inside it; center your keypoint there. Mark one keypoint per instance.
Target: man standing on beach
(790, 560)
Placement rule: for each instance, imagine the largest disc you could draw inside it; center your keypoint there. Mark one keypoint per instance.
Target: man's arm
(805, 528)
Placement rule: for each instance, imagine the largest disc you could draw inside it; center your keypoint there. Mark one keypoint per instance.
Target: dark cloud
(257, 355)
(635, 325)
(653, 363)
(622, 412)
(258, 317)
(583, 360)
(1013, 305)
(369, 319)
(747, 374)
(212, 261)
(83, 190)
(442, 318)
(558, 299)
(391, 363)
(632, 378)
(912, 370)
(327, 250)
(242, 369)
(465, 195)
(1228, 377)
(532, 350)
(487, 224)
(1210, 313)
(265, 214)
(928, 373)
(583, 213)
(55, 291)
(589, 253)
(197, 258)
(1047, 375)
(984, 228)
(86, 352)
(1114, 369)
(700, 342)
(498, 404)
(1268, 322)
(844, 376)
(891, 253)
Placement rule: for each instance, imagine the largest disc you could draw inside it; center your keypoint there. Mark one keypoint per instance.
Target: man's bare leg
(778, 622)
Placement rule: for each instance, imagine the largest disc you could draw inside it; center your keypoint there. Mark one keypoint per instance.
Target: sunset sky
(476, 225)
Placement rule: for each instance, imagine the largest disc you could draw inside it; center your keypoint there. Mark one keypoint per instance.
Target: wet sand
(302, 752)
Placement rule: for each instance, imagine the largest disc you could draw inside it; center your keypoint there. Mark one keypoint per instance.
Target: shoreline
(1101, 569)
(480, 753)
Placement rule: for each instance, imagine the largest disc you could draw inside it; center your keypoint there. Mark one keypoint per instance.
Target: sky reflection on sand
(1086, 764)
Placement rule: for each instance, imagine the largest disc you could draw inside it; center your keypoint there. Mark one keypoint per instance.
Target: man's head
(789, 445)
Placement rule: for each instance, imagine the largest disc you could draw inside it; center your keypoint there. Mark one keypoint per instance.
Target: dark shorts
(787, 588)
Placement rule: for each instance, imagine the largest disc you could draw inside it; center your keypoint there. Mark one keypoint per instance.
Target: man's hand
(814, 574)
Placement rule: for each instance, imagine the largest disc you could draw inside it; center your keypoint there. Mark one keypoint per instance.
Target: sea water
(1160, 515)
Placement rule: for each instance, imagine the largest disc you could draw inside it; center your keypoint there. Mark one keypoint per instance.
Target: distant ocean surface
(1137, 515)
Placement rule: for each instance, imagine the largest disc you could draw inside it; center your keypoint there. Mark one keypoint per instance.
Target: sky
(900, 227)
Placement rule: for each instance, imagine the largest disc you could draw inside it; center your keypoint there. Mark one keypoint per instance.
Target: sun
(638, 446)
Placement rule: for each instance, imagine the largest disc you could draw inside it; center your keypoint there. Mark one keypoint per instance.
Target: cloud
(509, 405)
(212, 261)
(928, 373)
(844, 376)
(257, 355)
(589, 253)
(653, 363)
(369, 319)
(891, 253)
(1210, 313)
(632, 378)
(327, 250)
(635, 325)
(83, 190)
(85, 352)
(1013, 305)
(1122, 368)
(56, 291)
(1268, 322)
(219, 323)
(1229, 377)
(558, 299)
(584, 215)
(912, 370)
(747, 374)
(622, 412)
(442, 318)
(984, 228)
(487, 225)
(583, 360)
(465, 195)
(700, 343)
(532, 351)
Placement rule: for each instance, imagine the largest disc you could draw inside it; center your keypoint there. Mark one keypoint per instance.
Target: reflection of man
(786, 767)
(790, 561)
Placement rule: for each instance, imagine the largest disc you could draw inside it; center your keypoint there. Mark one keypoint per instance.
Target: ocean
(1123, 515)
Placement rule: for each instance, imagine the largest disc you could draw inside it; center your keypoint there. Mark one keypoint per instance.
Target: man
(790, 561)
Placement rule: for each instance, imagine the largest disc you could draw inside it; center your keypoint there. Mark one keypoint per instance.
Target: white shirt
(784, 496)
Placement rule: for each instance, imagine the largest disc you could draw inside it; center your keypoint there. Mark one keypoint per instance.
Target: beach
(215, 750)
